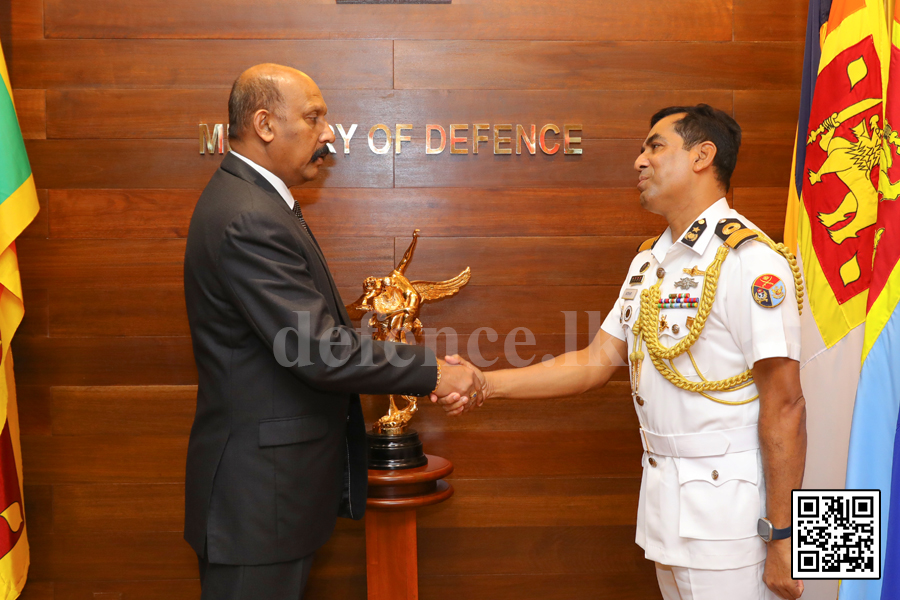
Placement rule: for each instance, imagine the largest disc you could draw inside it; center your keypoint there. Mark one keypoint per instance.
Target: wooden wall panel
(640, 586)
(103, 458)
(174, 114)
(609, 408)
(769, 20)
(26, 21)
(123, 410)
(137, 164)
(110, 95)
(199, 64)
(104, 361)
(34, 409)
(493, 65)
(121, 507)
(127, 214)
(38, 590)
(37, 319)
(40, 226)
(766, 207)
(184, 589)
(500, 19)
(334, 212)
(143, 263)
(152, 310)
(31, 109)
(512, 261)
(769, 116)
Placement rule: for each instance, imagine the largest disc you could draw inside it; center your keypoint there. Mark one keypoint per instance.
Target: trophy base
(395, 452)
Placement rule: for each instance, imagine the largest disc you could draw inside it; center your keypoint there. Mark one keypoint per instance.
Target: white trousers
(682, 583)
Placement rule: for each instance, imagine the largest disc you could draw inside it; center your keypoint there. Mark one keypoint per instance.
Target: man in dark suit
(277, 450)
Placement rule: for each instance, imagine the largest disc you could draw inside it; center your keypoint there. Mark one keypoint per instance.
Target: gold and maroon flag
(839, 199)
(18, 206)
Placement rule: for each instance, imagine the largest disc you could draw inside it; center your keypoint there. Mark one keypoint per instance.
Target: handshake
(462, 387)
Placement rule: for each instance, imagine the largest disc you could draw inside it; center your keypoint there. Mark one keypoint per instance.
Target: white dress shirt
(701, 511)
(272, 178)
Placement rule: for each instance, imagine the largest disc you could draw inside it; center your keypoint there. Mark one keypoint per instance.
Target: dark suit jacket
(275, 451)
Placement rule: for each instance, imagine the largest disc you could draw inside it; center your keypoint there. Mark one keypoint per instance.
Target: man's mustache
(320, 153)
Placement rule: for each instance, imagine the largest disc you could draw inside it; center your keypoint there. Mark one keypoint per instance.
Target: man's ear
(704, 154)
(263, 125)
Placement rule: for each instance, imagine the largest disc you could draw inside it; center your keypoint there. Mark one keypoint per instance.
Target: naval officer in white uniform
(708, 321)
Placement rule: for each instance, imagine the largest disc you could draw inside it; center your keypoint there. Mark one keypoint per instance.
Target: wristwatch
(768, 532)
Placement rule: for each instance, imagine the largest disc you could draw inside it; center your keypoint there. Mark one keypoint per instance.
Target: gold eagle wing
(435, 290)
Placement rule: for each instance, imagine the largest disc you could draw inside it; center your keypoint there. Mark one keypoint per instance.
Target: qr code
(837, 534)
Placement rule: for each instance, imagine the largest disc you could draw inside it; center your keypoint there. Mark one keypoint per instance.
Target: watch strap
(768, 532)
(781, 534)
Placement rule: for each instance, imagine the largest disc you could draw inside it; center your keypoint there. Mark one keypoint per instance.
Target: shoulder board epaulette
(734, 233)
(647, 244)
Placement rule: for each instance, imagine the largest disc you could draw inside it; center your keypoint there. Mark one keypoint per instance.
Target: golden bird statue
(394, 303)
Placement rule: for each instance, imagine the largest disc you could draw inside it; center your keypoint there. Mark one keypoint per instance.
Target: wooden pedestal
(394, 496)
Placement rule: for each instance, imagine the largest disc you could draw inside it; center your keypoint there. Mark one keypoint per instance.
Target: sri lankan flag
(875, 416)
(18, 206)
(831, 221)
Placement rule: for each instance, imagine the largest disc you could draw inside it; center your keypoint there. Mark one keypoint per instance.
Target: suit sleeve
(268, 276)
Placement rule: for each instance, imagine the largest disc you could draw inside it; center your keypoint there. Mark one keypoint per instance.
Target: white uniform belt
(708, 443)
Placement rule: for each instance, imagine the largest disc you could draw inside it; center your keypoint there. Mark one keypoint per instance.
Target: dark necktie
(300, 216)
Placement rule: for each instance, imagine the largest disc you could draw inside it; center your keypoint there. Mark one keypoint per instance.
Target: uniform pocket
(292, 430)
(718, 495)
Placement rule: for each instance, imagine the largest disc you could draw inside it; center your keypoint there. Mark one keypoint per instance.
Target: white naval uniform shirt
(688, 517)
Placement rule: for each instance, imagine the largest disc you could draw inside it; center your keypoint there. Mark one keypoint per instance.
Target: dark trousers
(279, 581)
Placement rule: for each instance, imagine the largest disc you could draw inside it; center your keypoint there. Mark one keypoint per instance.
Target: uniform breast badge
(645, 266)
(768, 291)
(685, 283)
(678, 301)
(694, 272)
(663, 325)
(636, 280)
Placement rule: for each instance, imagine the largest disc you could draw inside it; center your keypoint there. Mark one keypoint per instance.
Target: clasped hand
(463, 386)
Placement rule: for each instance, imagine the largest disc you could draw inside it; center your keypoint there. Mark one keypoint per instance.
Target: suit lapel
(235, 166)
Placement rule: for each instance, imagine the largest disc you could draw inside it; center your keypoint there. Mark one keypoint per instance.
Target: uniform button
(715, 475)
(652, 461)
(660, 272)
(675, 329)
(639, 400)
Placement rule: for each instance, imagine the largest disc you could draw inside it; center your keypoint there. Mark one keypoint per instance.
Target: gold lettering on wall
(498, 139)
(387, 143)
(428, 131)
(215, 142)
(522, 137)
(454, 127)
(213, 139)
(555, 148)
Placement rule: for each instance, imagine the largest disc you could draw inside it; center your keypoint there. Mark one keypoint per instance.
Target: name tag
(629, 294)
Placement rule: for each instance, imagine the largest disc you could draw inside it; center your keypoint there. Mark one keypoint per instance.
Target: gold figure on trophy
(395, 302)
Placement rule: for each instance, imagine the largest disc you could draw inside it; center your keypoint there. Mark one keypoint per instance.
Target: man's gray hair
(248, 95)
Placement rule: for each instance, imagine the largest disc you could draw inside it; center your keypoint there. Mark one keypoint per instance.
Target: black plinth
(393, 452)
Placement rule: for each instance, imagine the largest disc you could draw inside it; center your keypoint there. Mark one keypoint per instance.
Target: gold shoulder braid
(646, 328)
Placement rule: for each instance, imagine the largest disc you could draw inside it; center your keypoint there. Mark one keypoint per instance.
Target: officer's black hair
(703, 123)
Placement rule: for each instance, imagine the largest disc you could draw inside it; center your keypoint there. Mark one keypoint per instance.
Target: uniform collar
(698, 233)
